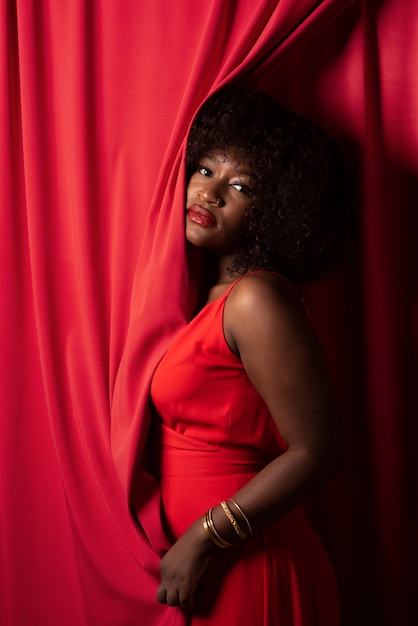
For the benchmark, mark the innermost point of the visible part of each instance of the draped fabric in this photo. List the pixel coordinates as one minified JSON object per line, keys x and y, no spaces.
{"x":97,"y":99}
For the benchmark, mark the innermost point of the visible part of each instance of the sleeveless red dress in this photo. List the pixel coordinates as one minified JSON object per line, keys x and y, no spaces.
{"x":213,"y":433}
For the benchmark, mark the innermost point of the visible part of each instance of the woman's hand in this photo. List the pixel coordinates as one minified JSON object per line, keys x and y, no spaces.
{"x":183,"y":566}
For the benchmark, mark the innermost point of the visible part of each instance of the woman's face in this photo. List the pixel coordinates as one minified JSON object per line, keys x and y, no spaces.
{"x":218,"y":196}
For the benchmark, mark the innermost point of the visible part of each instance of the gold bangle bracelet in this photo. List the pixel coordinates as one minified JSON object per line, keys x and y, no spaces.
{"x":212,"y":538}
{"x":241,"y":534}
{"x":245,"y":518}
{"x":227,"y":544}
{"x":210,"y":529}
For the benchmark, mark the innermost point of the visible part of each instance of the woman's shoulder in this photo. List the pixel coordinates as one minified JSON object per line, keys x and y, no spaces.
{"x":260,"y":290}
{"x":264,"y":307}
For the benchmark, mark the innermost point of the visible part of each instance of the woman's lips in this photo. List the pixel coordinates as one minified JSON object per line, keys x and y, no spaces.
{"x":201,"y":216}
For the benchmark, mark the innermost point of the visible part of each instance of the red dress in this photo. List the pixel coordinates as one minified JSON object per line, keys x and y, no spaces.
{"x":213,"y":433}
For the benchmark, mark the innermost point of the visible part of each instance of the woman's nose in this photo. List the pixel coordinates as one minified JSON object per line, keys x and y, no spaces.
{"x":211,"y":194}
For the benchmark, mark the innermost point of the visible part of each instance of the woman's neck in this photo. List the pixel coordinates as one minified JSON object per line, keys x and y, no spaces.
{"x":216,"y":276}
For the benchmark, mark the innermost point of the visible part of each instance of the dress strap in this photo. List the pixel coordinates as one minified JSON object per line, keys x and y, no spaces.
{"x":232,"y":285}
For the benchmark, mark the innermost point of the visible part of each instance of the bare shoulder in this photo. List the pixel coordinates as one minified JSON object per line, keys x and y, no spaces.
{"x":264,"y":293}
{"x":267,"y":327}
{"x":265,"y":312}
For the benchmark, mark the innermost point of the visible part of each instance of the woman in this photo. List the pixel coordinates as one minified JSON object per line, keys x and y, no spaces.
{"x":246,"y":424}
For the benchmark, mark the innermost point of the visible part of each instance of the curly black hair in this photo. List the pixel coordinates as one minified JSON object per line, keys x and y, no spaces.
{"x":297,"y":221}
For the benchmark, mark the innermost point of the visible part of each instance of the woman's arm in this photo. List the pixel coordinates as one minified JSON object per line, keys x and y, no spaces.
{"x":265,"y":322}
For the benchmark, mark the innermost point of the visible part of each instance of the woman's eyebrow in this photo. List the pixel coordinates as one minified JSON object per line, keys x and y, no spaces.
{"x":237,"y":169}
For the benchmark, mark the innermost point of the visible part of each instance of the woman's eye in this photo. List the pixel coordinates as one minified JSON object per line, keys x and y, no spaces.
{"x":205,"y":171}
{"x":241,"y":188}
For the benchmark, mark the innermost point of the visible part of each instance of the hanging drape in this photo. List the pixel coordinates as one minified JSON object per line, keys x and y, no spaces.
{"x":96,"y":101}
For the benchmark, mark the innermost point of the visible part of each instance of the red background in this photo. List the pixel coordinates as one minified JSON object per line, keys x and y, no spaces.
{"x":96,"y":102}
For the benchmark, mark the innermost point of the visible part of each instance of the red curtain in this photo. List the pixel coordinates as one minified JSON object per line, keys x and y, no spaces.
{"x":97,"y":99}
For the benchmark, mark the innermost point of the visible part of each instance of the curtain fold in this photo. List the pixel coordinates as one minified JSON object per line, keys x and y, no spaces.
{"x":97,"y":100}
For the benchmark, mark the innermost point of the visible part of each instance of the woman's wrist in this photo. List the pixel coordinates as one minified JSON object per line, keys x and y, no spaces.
{"x":226,"y":524}
{"x":201,"y":536}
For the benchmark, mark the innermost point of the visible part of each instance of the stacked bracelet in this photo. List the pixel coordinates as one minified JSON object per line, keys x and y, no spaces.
{"x":241,"y":534}
{"x":245,"y":518}
{"x":211,"y":530}
{"x":209,"y":527}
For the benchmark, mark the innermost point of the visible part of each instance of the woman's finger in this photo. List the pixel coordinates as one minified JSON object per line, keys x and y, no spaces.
{"x":173,"y":598}
{"x":162,"y":595}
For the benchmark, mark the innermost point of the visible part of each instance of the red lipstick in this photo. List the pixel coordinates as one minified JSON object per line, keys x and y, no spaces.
{"x":201,"y":216}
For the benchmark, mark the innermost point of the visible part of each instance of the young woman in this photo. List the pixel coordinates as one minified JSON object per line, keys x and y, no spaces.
{"x":246,"y":423}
